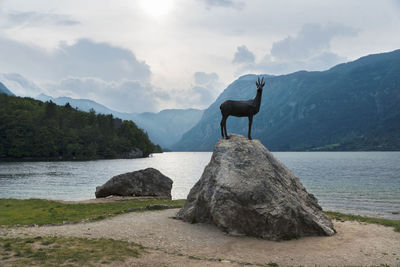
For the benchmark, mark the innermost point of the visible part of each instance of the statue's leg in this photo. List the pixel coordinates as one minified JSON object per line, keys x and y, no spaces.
{"x":226,"y":134}
{"x":222,"y":127}
{"x":250,"y":123}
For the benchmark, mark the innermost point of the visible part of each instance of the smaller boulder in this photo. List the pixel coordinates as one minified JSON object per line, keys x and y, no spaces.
{"x":147,"y":182}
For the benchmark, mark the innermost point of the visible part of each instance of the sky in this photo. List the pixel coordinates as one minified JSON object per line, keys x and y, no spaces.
{"x":149,"y":55}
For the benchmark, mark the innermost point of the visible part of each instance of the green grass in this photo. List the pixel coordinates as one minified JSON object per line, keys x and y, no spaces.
{"x":348,"y":217}
{"x":40,"y":211}
{"x":71,"y":251}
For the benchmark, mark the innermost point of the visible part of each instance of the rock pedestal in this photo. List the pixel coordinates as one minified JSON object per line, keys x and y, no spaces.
{"x":244,"y":190}
{"x":147,"y":182}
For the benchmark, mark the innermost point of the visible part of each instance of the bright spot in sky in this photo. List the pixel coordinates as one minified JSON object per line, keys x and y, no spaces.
{"x":156,"y":8}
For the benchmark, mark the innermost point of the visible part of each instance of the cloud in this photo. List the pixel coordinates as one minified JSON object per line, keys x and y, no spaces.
{"x":243,"y":55}
{"x":134,"y":96}
{"x":84,"y":58}
{"x":200,"y":95}
{"x":123,"y":96}
{"x":312,"y":39}
{"x":38,"y":19}
{"x":19,"y":85}
{"x":308,"y":50}
{"x":224,"y":3}
{"x":87,"y":58}
{"x":202,"y":78}
{"x":107,"y":74}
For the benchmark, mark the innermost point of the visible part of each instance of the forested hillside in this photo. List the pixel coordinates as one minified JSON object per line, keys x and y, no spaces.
{"x":164,"y":128}
{"x":31,"y":129}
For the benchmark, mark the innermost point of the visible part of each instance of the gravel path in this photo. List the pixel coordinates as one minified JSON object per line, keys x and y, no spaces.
{"x":176,"y":243}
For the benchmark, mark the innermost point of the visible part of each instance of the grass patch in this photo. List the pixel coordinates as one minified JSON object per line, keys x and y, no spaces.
{"x":348,"y":217}
{"x":71,"y":251}
{"x":40,"y":211}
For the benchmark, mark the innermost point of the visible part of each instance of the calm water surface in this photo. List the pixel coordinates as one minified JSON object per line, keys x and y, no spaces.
{"x":365,"y":183}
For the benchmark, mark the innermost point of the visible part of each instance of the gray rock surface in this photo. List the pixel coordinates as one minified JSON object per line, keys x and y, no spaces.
{"x":147,"y":182}
{"x":244,"y":190}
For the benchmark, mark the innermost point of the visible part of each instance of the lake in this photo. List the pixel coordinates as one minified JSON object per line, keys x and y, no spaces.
{"x":365,"y":183}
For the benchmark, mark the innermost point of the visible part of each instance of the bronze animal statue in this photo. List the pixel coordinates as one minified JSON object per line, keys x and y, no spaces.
{"x":246,"y":108}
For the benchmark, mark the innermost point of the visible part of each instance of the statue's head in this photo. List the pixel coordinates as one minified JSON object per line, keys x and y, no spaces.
{"x":260,"y":84}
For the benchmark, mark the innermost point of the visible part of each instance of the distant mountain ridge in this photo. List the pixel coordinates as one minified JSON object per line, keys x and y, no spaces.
{"x":167,"y":126}
{"x":4,"y":90}
{"x":81,"y":104}
{"x":19,"y":85}
{"x":164,"y":128}
{"x":352,"y":106}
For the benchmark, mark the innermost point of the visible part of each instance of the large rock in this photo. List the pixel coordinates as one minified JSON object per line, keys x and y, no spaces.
{"x":245,"y":190}
{"x":148,"y":182}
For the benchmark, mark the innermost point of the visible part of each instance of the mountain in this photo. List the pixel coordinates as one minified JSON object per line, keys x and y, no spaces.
{"x":167,"y":126}
{"x":352,"y":106}
{"x":81,"y":104}
{"x":19,"y":85}
{"x":164,"y":128}
{"x":4,"y":90}
{"x":31,"y":129}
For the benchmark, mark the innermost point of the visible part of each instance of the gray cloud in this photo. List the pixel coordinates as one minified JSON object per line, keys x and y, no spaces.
{"x":243,"y":55}
{"x":200,"y":95}
{"x":85,"y":58}
{"x":321,"y":61}
{"x":202,"y":78}
{"x":134,"y":96}
{"x":19,"y":85}
{"x":37,"y":19}
{"x":312,"y":39}
{"x":124,"y":96}
{"x":207,"y":87}
{"x":109,"y":75}
{"x":308,"y":50}
{"x":224,"y":3}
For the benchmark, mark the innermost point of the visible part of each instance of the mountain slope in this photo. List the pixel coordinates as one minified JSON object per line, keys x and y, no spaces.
{"x":164,"y":128}
{"x":353,"y":106}
{"x":31,"y":129}
{"x":4,"y":90}
{"x":19,"y":85}
{"x":167,"y":126}
{"x":81,"y":104}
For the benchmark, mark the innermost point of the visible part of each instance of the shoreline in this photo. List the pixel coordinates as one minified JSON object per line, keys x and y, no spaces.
{"x":57,"y":159}
{"x":333,"y":215}
{"x":114,"y":198}
{"x":183,"y":244}
{"x":357,"y":241}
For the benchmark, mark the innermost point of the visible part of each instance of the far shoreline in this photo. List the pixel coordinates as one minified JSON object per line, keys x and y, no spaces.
{"x":11,"y":160}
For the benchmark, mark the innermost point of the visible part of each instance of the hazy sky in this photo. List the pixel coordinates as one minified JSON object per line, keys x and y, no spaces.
{"x":148,"y":55}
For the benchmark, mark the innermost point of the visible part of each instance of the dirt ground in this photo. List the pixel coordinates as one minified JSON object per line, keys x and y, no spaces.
{"x":171,"y":242}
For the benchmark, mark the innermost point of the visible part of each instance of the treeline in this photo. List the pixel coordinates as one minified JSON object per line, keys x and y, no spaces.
{"x":31,"y":129}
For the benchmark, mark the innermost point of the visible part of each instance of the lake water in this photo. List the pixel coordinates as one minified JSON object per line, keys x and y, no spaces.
{"x":365,"y":183}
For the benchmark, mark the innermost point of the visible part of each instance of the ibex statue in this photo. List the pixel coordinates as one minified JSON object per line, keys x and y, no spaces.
{"x":246,"y":108}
